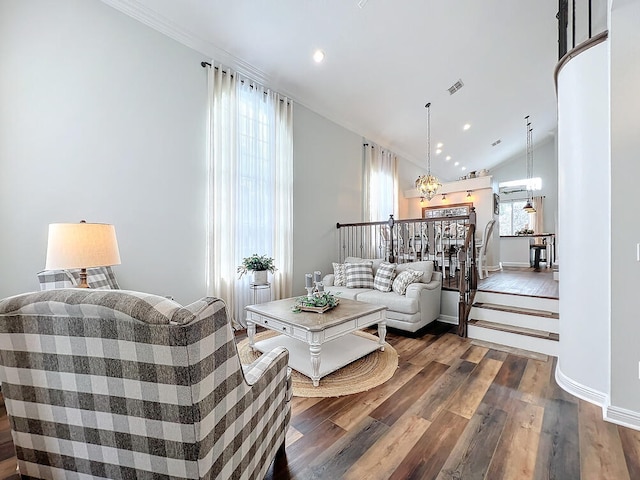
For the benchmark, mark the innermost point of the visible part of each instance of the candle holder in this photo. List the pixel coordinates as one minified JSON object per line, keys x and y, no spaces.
{"x":309,"y":292}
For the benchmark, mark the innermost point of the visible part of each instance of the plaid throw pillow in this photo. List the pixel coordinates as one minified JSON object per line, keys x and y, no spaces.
{"x":384,"y":277}
{"x":404,"y":279}
{"x":340,"y":278}
{"x":359,"y":275}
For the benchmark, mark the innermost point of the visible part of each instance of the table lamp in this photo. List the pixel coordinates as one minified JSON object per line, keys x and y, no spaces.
{"x":81,"y":245}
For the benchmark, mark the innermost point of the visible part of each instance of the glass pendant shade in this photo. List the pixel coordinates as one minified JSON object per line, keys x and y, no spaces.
{"x":428,"y":185}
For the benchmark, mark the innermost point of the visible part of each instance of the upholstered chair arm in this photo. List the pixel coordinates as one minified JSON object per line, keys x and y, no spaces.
{"x":414,"y":289}
{"x":255,"y":370}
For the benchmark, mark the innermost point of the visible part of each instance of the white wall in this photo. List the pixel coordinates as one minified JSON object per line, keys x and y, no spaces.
{"x":327,"y":174}
{"x":103,"y":119}
{"x":584,"y":218}
{"x":625,"y":228}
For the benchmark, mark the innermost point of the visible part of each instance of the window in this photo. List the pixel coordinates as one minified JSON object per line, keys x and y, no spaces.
{"x":513,"y":217}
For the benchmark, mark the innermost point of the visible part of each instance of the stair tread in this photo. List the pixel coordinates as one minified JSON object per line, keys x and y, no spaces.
{"x":522,"y":310}
{"x":514,"y":294}
{"x":530,"y":332}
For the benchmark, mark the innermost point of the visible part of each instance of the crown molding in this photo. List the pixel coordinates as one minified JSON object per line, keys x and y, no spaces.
{"x":153,"y":19}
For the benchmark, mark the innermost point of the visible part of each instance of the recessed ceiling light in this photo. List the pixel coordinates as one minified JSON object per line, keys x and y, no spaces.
{"x":467,"y":126}
{"x":318,"y":56}
{"x":438,"y":151}
{"x":464,"y":168}
{"x":439,"y":145}
{"x":448,"y":157}
{"x":456,"y":164}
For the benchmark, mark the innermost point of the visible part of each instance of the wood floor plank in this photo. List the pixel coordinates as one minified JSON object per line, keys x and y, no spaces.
{"x":435,"y":350}
{"x":631,"y":445}
{"x":398,"y":403}
{"x":300,"y":453}
{"x":505,"y":385}
{"x":515,"y":455}
{"x":382,"y":459}
{"x":427,"y":456}
{"x":474,"y":354}
{"x":559,"y":448}
{"x":316,"y":414}
{"x":472,"y":454}
{"x":468,"y":397}
{"x":434,"y":400}
{"x":335,"y":460}
{"x":600,"y":446}
{"x":535,"y":379}
{"x":363,"y":405}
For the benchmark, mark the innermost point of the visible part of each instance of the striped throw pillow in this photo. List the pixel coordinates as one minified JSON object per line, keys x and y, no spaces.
{"x":384,"y":277}
{"x":359,"y":275}
{"x":404,"y":279}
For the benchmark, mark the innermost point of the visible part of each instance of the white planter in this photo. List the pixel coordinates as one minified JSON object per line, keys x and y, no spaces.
{"x":260,"y":277}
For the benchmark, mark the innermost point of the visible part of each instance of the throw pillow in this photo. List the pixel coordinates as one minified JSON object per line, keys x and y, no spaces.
{"x":404,"y":279}
{"x":340,"y":278}
{"x":359,"y":275}
{"x":384,"y":277}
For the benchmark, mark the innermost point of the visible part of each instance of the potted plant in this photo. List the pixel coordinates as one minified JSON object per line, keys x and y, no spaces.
{"x":259,"y":265}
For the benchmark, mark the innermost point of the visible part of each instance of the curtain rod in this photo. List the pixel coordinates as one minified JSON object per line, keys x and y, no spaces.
{"x":207,"y":64}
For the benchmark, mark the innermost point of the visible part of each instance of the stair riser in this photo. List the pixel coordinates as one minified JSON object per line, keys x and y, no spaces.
{"x":516,"y":319}
{"x":519,"y":301}
{"x":533,"y":344}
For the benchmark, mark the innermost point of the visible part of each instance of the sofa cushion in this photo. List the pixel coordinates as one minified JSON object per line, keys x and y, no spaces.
{"x":425,"y":266}
{"x":384,"y":277}
{"x":339,"y":277}
{"x":350,"y":293}
{"x":359,"y":275}
{"x":391,"y":300}
{"x":404,"y":279}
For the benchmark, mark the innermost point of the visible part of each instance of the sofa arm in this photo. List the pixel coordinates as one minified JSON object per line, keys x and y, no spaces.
{"x":414,"y":289}
{"x":328,"y":280}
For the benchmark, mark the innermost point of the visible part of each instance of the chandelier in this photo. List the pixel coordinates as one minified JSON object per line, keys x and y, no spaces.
{"x":529,"y":160}
{"x":427,"y":185}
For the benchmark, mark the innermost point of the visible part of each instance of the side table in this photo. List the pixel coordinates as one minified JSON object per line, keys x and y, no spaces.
{"x":259,"y":290}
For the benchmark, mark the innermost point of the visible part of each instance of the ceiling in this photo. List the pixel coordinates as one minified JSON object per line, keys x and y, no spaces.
{"x":385,"y":61}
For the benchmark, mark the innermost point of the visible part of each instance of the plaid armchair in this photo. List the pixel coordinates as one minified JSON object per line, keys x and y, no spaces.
{"x":127,"y":385}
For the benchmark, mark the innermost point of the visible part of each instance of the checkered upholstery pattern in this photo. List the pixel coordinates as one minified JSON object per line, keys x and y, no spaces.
{"x":359,"y":275}
{"x":99,"y":278}
{"x":125,"y":385}
{"x":384,"y":277}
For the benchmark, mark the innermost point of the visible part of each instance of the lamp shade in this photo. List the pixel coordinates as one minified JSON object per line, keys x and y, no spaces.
{"x":81,"y":245}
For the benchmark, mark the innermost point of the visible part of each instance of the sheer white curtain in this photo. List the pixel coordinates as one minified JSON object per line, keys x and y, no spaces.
{"x":250,"y":194}
{"x":380,"y":183}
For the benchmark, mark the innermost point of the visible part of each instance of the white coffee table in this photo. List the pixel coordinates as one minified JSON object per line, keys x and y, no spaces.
{"x":318,"y":343}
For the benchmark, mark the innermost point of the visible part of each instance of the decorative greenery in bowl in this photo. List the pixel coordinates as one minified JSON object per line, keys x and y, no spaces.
{"x":256,"y":263}
{"x":319,"y":301}
{"x":525,"y":231}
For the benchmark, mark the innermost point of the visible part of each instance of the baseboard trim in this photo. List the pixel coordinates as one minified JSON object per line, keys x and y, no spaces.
{"x":515,"y":264}
{"x":448,"y":319}
{"x":581,"y":391}
{"x":622,"y":416}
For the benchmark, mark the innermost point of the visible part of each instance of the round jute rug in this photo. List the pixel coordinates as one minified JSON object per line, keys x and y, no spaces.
{"x":362,"y":375}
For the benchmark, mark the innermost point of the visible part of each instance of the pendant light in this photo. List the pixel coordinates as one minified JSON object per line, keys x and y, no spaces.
{"x":528,"y":207}
{"x":427,"y":185}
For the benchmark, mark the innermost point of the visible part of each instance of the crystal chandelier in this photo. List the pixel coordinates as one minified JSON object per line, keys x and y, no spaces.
{"x":529,"y":159}
{"x":427,"y":185}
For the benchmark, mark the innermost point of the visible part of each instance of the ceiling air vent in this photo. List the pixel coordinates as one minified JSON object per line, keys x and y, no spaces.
{"x":496,"y":142}
{"x":455,"y":87}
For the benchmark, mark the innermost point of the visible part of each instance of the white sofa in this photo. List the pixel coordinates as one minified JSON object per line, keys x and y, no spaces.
{"x":419,"y":306}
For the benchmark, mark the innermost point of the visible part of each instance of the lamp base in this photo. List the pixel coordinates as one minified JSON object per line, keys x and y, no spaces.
{"x":83,"y":279}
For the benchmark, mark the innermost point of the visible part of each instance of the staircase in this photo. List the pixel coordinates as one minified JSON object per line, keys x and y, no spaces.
{"x":520,"y":321}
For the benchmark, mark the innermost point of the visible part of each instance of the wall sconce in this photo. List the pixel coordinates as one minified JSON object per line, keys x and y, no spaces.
{"x":444,"y":197}
{"x":469,"y":194}
{"x":421,"y":200}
